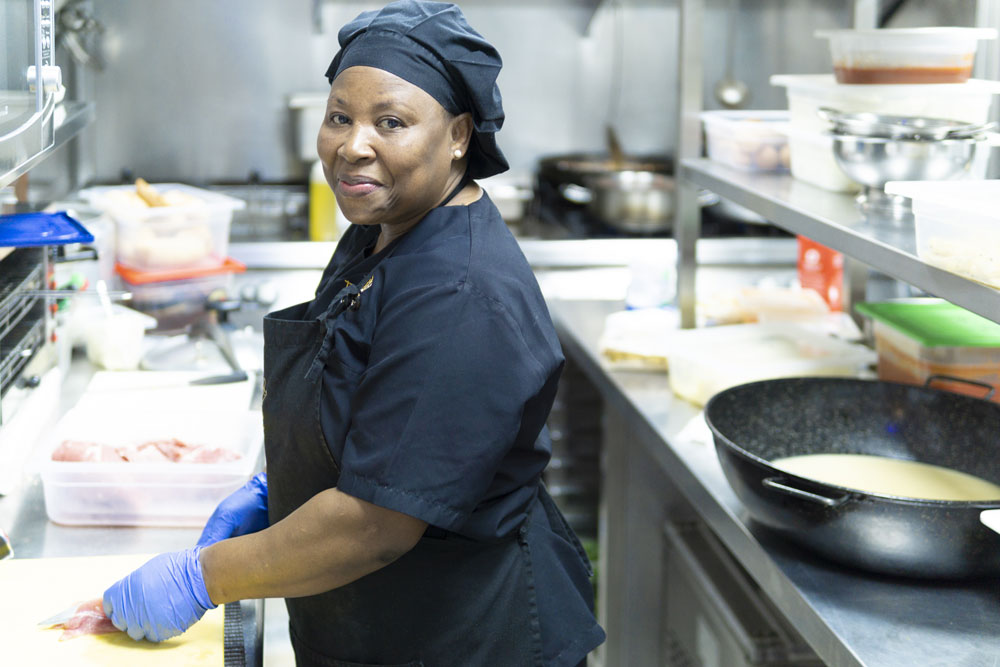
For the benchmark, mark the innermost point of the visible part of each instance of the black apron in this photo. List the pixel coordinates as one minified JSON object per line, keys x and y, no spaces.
{"x":448,"y":601}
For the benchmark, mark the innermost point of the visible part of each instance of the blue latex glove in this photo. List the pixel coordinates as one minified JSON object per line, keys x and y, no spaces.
{"x":161,"y":599}
{"x":243,"y":512}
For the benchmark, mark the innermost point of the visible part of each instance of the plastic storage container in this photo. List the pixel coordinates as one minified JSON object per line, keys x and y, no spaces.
{"x":918,"y":338}
{"x":811,"y":160}
{"x":747,"y":140}
{"x":115,"y":343}
{"x":147,"y":494}
{"x":703,"y":362}
{"x":191,"y":232}
{"x":176,"y":298}
{"x":957,"y":225}
{"x":811,"y":148}
{"x":904,"y":55}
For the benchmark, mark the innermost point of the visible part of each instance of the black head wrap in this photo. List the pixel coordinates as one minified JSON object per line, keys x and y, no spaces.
{"x":432,"y":46}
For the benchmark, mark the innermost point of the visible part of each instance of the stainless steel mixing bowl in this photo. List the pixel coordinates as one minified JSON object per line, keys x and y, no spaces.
{"x":874,"y":161}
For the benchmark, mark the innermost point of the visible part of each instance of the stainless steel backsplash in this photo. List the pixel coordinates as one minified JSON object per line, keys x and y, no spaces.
{"x":197,"y":90}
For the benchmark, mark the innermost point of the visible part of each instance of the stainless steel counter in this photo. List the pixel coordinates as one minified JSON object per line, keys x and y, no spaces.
{"x":847,"y":616}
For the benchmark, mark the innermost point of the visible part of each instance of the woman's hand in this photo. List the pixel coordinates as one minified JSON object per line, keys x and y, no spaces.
{"x":161,"y":599}
{"x":242,"y":513}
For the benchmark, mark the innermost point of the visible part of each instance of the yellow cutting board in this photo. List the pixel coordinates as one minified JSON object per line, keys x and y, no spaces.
{"x":32,"y":589}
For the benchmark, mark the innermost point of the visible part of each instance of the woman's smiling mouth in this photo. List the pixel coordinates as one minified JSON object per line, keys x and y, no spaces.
{"x":356,"y":186}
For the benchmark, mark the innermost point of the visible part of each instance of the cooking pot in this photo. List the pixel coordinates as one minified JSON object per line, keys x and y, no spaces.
{"x":576,"y":167}
{"x":635,"y":195}
{"x":754,"y":424}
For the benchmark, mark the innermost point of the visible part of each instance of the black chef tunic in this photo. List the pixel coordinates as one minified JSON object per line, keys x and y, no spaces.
{"x":452,"y":364}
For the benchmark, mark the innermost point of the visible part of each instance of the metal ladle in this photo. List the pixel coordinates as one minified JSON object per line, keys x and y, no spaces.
{"x":730,"y":91}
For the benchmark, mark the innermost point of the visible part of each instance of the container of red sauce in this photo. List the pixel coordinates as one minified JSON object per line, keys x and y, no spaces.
{"x":904,"y":55}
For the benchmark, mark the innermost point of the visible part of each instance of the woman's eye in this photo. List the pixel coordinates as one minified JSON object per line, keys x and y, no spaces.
{"x":390,"y":123}
{"x":339,"y":119}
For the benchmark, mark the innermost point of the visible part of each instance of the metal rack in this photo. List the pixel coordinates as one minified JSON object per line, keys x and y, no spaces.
{"x":829,"y":218}
{"x":22,"y":317}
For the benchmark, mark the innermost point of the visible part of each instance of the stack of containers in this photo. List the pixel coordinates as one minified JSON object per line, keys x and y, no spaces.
{"x":906,"y":72}
{"x":173,"y":255}
{"x":919,"y":339}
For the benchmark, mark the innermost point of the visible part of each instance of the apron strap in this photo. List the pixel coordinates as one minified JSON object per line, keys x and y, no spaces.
{"x":348,"y":297}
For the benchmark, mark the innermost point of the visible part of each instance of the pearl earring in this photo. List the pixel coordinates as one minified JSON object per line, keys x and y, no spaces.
{"x":457,"y":153}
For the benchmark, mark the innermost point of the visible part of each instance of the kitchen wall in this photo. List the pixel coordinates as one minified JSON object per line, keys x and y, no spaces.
{"x":197,"y":91}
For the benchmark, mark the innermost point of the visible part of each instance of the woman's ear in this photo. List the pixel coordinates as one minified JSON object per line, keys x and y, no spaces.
{"x":461,"y":132}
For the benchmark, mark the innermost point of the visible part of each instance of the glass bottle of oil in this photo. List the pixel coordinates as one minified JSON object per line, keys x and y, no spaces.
{"x":322,"y":207}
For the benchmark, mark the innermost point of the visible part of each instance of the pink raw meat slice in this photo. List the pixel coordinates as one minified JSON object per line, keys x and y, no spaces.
{"x":172,"y":448}
{"x":89,"y":619}
{"x":145,"y":453}
{"x":169,"y":450}
{"x":80,"y":451}
{"x":201,"y":454}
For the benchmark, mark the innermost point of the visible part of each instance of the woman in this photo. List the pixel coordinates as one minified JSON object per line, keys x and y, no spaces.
{"x":402,"y":514}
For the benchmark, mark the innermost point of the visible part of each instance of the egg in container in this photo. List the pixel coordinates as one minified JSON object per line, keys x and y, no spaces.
{"x":748,"y":140}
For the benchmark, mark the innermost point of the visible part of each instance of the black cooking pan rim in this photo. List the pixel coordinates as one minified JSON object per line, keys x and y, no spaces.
{"x":855,"y":494}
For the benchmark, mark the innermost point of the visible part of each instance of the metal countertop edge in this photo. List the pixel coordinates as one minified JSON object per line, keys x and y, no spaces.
{"x":549,"y":254}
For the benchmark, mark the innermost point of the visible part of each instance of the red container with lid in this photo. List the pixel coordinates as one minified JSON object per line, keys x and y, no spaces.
{"x":176,"y":298}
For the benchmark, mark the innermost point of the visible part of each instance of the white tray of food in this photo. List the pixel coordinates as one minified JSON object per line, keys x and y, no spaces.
{"x":152,"y":468}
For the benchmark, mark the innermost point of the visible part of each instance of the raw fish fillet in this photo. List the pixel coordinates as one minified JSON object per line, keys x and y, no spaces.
{"x":89,"y":619}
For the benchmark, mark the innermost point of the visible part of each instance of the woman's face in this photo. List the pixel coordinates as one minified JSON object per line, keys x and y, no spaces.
{"x":387,"y":148}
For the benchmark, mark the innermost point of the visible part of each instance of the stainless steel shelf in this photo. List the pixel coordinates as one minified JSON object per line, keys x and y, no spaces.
{"x":833,"y":219}
{"x":70,"y":119}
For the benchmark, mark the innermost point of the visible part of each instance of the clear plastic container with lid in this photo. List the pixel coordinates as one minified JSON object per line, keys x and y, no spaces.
{"x":904,"y":55}
{"x":162,"y":493}
{"x":176,"y":298}
{"x":919,"y":338}
{"x":957,"y":225}
{"x":190,"y":230}
{"x":703,"y":362}
{"x":747,"y":140}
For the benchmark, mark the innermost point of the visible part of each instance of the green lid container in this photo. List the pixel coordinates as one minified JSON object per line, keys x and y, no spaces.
{"x":935,"y":330}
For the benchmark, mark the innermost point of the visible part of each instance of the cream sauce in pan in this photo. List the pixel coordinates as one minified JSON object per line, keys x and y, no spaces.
{"x":894,"y":477}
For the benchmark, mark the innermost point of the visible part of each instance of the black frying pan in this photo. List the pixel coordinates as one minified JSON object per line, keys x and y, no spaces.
{"x":758,"y":422}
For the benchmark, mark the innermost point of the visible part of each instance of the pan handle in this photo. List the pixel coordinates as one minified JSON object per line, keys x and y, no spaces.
{"x":990,"y":519}
{"x":778,"y":484}
{"x":576,"y":193}
{"x":990,"y":389}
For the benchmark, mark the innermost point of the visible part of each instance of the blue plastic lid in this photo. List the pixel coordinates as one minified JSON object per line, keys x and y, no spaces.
{"x":26,"y":230}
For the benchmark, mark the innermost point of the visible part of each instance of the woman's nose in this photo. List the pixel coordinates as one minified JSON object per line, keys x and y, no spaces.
{"x":357,"y":144}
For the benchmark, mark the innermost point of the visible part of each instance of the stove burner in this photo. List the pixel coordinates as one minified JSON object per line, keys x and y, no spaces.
{"x":552,"y":216}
